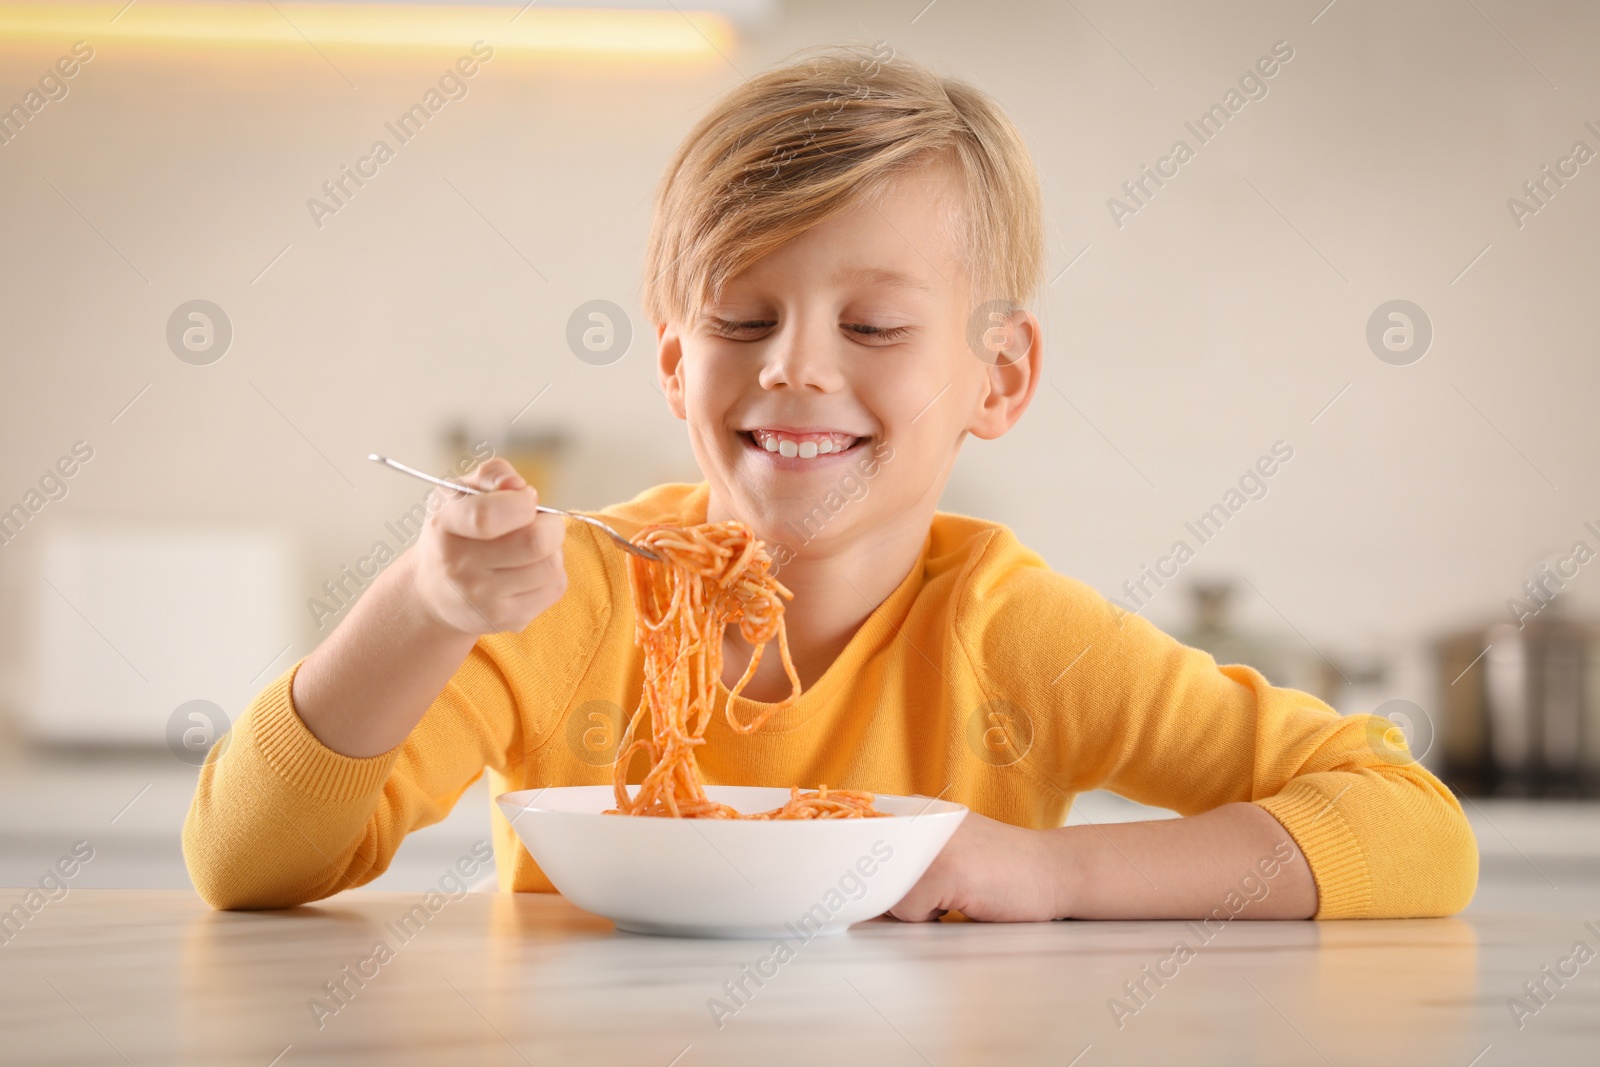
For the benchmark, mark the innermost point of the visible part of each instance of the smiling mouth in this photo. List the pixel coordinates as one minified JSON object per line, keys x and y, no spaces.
{"x":808,"y":447}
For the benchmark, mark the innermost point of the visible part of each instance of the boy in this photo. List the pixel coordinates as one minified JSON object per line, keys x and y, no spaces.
{"x":838,"y":269}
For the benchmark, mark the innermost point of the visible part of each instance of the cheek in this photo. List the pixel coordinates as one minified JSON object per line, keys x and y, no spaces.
{"x":711,"y":378}
{"x":921,"y":418}
{"x":921,"y":449}
{"x":924,"y":400}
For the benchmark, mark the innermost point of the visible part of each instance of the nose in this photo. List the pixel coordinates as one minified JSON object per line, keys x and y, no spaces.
{"x":803,"y":354}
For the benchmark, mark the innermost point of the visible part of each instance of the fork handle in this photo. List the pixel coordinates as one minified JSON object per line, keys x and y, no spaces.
{"x":472,"y":490}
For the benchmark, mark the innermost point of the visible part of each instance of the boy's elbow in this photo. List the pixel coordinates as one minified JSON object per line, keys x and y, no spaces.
{"x":221,"y":896}
{"x":1457,"y":863}
{"x":224,"y":880}
{"x":220,"y":883}
{"x":231,"y":890}
{"x":1441,"y":875}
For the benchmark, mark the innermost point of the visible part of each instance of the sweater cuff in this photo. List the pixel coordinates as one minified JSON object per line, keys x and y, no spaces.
{"x":275,"y":730}
{"x":1332,"y":850}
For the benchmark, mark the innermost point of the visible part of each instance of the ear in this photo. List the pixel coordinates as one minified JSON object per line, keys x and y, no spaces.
{"x":1011,"y":376}
{"x":669,"y":365}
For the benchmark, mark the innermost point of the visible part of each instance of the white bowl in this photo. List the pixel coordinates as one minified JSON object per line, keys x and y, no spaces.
{"x":726,"y":877}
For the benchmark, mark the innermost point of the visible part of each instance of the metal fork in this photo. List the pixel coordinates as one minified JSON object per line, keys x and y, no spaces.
{"x":472,"y":490}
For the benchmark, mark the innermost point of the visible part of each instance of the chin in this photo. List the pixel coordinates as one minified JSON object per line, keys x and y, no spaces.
{"x":807,"y":530}
{"x":810,"y":515}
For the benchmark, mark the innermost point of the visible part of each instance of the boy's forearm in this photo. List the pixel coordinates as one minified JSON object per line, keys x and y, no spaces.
{"x":1183,"y":868}
{"x":367,"y":686}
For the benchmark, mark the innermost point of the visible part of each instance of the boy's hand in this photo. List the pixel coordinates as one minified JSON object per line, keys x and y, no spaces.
{"x":490,"y":563}
{"x":1236,"y":857}
{"x":991,"y":872}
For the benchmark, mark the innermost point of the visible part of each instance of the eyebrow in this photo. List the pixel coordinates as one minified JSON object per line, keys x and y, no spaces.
{"x":887,"y":278}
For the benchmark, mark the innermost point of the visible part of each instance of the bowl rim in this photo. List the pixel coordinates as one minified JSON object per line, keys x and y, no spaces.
{"x":522,"y":801}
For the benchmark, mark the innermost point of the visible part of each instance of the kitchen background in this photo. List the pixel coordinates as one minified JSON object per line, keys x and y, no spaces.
{"x":1373,"y":259}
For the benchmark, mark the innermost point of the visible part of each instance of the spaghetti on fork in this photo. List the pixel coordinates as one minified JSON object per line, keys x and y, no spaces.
{"x":709,"y":576}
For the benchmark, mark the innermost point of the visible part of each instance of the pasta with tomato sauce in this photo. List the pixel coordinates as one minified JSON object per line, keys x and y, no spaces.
{"x":710,"y":576}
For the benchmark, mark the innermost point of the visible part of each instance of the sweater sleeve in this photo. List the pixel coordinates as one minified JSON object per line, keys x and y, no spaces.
{"x":279,"y":819}
{"x":1161,"y":723}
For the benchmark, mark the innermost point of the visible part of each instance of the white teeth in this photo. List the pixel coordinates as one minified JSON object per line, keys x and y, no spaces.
{"x":790,"y":448}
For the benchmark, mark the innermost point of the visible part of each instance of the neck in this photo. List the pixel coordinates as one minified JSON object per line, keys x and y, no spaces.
{"x":836,"y":587}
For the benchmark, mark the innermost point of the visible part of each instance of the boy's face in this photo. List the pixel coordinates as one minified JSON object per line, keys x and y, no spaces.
{"x":829,"y":388}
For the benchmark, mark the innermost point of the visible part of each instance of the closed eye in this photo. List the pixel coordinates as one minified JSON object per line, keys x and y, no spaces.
{"x":752,"y":329}
{"x":743,"y":329}
{"x":883,"y":335}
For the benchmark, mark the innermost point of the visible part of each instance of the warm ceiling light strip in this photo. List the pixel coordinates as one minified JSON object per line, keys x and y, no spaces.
{"x":689,"y":34}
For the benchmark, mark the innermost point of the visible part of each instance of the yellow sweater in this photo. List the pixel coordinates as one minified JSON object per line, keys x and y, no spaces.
{"x":984,"y":677}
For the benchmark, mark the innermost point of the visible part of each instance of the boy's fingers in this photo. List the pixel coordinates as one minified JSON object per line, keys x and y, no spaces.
{"x":491,"y":515}
{"x":917,"y":907}
{"x":495,"y":473}
{"x":521,"y":581}
{"x":925,"y":901}
{"x":538,"y":541}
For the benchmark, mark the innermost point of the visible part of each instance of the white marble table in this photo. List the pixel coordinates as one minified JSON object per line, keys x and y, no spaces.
{"x":151,"y":977}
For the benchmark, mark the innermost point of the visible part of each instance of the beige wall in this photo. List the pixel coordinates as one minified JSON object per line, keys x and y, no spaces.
{"x":1220,"y":318}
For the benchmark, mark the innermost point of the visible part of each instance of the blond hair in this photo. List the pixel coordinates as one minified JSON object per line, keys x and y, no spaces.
{"x":800,"y":143}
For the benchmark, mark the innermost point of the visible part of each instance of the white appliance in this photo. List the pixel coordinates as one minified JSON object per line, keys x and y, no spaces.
{"x":134,"y":624}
